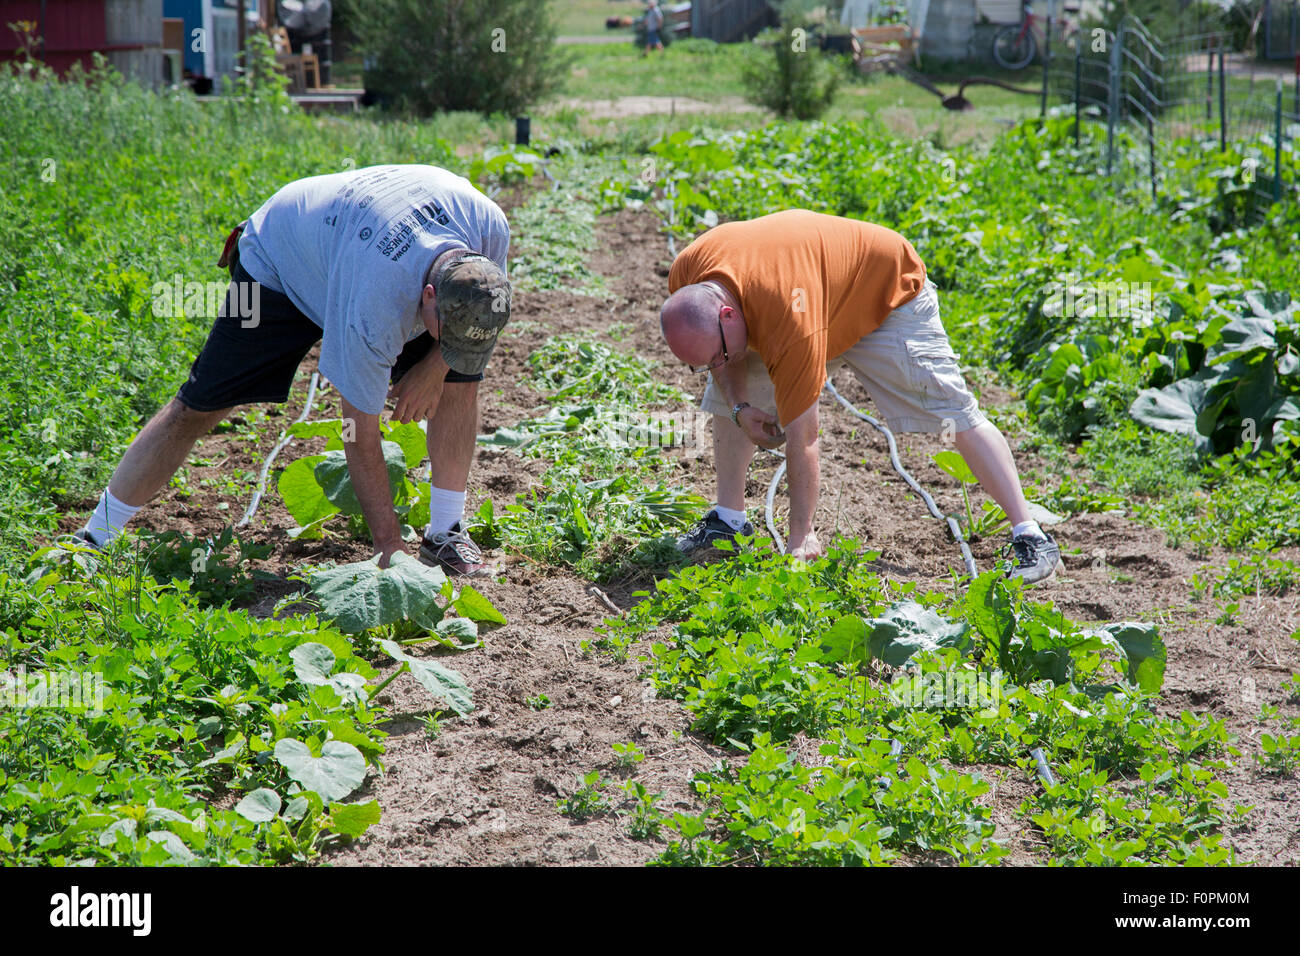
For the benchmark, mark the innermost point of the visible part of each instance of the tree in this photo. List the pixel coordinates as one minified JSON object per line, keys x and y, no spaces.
{"x":791,"y":77}
{"x":489,"y":56}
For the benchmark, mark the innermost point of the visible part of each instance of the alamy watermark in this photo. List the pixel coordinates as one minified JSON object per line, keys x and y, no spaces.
{"x":61,"y":690}
{"x":176,"y":298}
{"x":686,"y":429}
{"x":1073,"y":297}
{"x":941,"y":690}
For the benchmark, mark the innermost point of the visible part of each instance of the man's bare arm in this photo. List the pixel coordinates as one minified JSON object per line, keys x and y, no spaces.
{"x":370,"y":481}
{"x":803,"y":470}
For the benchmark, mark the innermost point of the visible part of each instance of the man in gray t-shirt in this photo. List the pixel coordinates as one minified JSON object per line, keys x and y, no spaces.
{"x":399,"y":273}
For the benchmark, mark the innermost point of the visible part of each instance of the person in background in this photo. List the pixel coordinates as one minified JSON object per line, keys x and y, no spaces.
{"x":654,"y":24}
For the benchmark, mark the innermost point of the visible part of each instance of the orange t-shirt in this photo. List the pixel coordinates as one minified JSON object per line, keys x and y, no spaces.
{"x":809,"y":286}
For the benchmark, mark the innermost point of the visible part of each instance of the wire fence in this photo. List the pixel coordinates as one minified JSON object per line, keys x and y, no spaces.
{"x":1174,"y":113}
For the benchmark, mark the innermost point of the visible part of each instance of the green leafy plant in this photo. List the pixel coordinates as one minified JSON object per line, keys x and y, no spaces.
{"x":1248,"y":387}
{"x":587,"y":801}
{"x":789,"y":76}
{"x":317,"y":487}
{"x":647,"y":820}
{"x":430,"y":57}
{"x":1280,"y":753}
{"x":214,"y":566}
{"x":538,"y":702}
{"x":627,"y":755}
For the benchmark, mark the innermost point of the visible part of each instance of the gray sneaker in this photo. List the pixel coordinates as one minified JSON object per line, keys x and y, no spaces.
{"x":84,"y":539}
{"x":709,"y":529}
{"x":455,"y":552}
{"x":1035,"y":558}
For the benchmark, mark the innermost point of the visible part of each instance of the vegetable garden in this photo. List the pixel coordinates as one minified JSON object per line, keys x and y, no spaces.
{"x":268,"y":695}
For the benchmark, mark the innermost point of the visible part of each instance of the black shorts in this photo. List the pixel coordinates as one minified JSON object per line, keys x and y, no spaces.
{"x":241,"y":366}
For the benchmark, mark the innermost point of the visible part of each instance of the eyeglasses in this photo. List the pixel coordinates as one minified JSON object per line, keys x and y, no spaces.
{"x":725,"y":357}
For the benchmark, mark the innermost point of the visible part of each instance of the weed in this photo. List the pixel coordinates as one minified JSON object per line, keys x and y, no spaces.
{"x":587,"y":801}
{"x":432,"y":725}
{"x":647,"y":820}
{"x":627,"y":755}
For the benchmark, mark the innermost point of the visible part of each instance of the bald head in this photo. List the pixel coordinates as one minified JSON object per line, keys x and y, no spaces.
{"x":689,"y":320}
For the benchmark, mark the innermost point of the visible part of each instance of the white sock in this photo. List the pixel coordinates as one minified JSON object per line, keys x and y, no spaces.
{"x":1030,"y":528}
{"x":109,"y":518}
{"x":445,"y":509}
{"x":731,"y":516}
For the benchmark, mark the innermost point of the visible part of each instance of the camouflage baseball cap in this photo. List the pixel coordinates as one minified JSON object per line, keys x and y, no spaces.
{"x":474,"y":305}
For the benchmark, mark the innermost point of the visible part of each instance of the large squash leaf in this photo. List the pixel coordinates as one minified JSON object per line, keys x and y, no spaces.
{"x":335,"y":483}
{"x":894,"y":636}
{"x":338,"y":770}
{"x":302,"y":493}
{"x":441,"y":682}
{"x":361,"y":595}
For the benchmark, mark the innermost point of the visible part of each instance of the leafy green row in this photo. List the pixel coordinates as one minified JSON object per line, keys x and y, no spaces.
{"x":762,"y":650}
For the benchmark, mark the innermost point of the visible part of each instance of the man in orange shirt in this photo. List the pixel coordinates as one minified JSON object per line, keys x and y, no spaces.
{"x":771,"y":307}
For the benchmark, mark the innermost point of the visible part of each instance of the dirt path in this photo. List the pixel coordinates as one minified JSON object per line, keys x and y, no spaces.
{"x":484,"y":791}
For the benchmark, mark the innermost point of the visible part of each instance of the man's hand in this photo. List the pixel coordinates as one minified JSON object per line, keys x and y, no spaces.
{"x":387,"y":549}
{"x":761,"y":428}
{"x":420,"y":389}
{"x":807,"y":549}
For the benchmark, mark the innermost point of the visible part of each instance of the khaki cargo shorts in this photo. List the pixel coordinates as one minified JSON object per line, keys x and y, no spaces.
{"x":907,"y":365}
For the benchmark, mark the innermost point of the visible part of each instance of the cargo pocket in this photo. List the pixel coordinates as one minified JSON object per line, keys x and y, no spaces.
{"x":935,"y":377}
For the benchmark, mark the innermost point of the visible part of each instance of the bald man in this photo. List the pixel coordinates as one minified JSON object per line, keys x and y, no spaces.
{"x":772,"y":307}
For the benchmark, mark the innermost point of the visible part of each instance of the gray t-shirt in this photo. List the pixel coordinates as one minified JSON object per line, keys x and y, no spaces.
{"x":352,"y":249}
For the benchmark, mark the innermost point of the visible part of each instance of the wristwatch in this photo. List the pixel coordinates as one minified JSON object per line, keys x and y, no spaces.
{"x":735,"y":413}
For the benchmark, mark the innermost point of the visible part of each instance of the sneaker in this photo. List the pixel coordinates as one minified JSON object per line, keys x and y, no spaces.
{"x":1035,"y":558}
{"x":455,"y":552}
{"x":709,"y":529}
{"x":84,"y":539}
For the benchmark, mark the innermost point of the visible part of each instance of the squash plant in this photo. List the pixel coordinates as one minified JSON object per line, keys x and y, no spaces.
{"x":315,"y":488}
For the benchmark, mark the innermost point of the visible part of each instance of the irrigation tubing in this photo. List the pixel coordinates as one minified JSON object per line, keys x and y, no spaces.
{"x":953,"y":526}
{"x":1040,"y":763}
{"x":771,"y":494}
{"x":284,"y":440}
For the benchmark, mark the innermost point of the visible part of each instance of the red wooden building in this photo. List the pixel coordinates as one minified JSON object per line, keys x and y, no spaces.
{"x":128,"y":32}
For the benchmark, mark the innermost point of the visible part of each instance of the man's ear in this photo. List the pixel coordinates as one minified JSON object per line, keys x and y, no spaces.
{"x":429,"y":312}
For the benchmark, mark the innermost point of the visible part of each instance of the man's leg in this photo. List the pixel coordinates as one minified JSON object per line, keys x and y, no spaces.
{"x":149,"y":463}
{"x":912,"y":373}
{"x":453,"y":431}
{"x":989,"y":457}
{"x":732,"y":453}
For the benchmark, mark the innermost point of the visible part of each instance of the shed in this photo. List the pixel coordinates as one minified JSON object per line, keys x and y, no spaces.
{"x":128,"y":32}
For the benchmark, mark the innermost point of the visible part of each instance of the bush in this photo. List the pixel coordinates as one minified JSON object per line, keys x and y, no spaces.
{"x":790,"y":78}
{"x":489,"y":56}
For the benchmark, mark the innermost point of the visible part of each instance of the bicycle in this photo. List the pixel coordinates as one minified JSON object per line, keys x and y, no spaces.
{"x":1015,"y":46}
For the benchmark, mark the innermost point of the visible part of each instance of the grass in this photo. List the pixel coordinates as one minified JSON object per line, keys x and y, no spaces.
{"x":600,"y":75}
